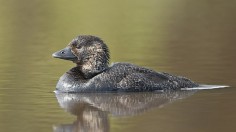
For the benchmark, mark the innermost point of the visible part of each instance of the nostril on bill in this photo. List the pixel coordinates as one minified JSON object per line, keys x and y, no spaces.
{"x":62,"y":52}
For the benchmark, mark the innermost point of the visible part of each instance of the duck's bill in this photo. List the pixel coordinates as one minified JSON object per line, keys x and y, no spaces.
{"x":65,"y":54}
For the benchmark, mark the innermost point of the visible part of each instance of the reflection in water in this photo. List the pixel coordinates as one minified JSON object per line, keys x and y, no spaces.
{"x":92,"y":109}
{"x":193,"y":38}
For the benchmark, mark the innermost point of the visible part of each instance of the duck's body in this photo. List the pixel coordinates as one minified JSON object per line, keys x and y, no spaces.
{"x":92,"y":73}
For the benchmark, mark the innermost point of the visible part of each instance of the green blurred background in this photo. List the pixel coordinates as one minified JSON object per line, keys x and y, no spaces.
{"x":190,"y":38}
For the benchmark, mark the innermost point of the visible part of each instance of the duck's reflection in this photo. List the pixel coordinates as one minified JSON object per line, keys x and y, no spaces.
{"x":92,"y":109}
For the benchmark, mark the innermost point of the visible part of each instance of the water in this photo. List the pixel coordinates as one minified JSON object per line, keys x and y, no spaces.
{"x":193,"y":39}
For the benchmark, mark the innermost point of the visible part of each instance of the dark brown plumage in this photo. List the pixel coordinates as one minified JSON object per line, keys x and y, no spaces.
{"x":93,"y":73}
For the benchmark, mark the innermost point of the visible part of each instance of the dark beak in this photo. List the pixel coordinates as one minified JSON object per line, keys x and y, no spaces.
{"x":65,"y":54}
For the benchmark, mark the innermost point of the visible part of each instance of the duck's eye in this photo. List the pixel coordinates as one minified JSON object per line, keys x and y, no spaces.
{"x":79,"y":47}
{"x":62,"y":52}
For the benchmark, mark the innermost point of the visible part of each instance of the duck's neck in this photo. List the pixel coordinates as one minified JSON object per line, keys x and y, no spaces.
{"x":91,"y":68}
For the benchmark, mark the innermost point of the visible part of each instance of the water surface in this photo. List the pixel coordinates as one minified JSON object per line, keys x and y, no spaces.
{"x":194,"y":39}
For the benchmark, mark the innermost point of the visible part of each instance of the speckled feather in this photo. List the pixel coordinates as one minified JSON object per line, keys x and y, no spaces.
{"x":92,"y":73}
{"x":122,"y":77}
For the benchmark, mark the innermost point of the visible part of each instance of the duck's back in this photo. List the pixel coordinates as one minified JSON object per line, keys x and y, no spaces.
{"x":130,"y":77}
{"x":122,"y":77}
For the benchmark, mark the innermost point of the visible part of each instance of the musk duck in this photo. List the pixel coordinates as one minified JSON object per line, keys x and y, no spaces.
{"x":92,"y":72}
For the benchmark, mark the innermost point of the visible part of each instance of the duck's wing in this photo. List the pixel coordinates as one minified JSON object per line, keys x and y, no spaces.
{"x":135,"y":78}
{"x":143,"y":81}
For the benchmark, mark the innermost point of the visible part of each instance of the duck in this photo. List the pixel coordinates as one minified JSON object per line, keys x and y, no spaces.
{"x":93,"y":73}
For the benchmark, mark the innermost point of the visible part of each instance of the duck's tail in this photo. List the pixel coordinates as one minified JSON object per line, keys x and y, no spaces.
{"x":203,"y":86}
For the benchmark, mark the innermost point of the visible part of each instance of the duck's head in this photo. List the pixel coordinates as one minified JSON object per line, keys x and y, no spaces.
{"x":90,"y":54}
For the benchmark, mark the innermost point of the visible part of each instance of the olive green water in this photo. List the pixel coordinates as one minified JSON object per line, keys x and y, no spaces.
{"x":189,"y":38}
